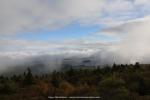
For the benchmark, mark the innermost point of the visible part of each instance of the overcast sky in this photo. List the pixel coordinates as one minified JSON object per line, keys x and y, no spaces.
{"x":118,"y":29}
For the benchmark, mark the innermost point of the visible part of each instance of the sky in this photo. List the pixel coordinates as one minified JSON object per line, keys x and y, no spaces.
{"x":110,"y":30}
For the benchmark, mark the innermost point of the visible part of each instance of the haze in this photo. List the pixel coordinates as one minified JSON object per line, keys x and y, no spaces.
{"x":49,"y":31}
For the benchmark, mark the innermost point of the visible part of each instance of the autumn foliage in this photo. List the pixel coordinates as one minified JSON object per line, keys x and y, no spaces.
{"x":117,"y":82}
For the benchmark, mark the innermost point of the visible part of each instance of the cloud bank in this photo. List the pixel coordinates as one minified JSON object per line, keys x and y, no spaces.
{"x":135,"y":39}
{"x":125,"y":21}
{"x":19,"y":16}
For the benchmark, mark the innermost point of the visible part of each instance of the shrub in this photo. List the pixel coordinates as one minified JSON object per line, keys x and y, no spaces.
{"x":113,"y":88}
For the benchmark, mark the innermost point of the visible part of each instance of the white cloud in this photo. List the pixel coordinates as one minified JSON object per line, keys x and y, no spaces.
{"x":135,"y":39}
{"x":142,"y":2}
{"x":25,"y":15}
{"x":36,"y":47}
{"x":25,"y":52}
{"x":19,"y":16}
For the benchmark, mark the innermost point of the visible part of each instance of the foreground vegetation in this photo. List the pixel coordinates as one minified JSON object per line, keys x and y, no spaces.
{"x":117,"y":82}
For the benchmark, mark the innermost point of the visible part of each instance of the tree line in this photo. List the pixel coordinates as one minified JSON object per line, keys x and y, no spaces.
{"x":116,"y":82}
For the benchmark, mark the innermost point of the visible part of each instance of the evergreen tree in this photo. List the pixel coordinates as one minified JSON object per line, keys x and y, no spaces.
{"x":137,"y":65}
{"x":28,"y":80}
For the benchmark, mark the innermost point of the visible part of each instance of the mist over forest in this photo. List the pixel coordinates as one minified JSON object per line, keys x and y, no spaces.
{"x":75,"y":48}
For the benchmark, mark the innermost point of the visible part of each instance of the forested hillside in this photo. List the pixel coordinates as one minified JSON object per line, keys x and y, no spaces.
{"x":117,"y":82}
